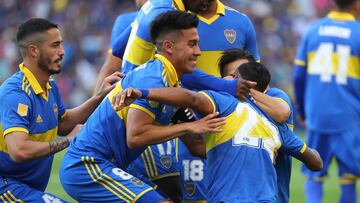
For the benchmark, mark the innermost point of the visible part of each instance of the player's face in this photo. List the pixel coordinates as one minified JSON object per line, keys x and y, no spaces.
{"x":231,"y":68}
{"x":186,"y":51}
{"x":198,"y":6}
{"x":51,"y":52}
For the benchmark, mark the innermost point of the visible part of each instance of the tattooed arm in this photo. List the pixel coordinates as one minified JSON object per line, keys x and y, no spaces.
{"x":21,"y":148}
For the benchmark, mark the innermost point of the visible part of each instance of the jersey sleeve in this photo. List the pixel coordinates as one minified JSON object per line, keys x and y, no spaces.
{"x":221,"y":101}
{"x":15,"y":112}
{"x":121,"y":23}
{"x":199,"y":80}
{"x":251,"y":42}
{"x":291,"y":144}
{"x":300,"y":76}
{"x":119,"y":45}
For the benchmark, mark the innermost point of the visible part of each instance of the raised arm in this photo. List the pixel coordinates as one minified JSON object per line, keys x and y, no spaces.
{"x":276,"y":109}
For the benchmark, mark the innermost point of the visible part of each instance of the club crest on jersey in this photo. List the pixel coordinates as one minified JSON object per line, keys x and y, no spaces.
{"x":136,"y":182}
{"x":190,"y":188}
{"x":230,"y":35}
{"x":166,"y":161}
{"x":56,"y":110}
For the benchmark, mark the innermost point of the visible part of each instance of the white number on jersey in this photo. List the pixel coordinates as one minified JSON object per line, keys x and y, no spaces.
{"x":162,"y":150}
{"x":193,"y":170}
{"x":325,"y":64}
{"x":122,"y":174}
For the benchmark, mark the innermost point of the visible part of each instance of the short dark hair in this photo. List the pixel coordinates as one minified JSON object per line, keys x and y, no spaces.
{"x":344,"y":4}
{"x":171,"y":22}
{"x":29,"y":32}
{"x":231,"y":55}
{"x":256,"y":72}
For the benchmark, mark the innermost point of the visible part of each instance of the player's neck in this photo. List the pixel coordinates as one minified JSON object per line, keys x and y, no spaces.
{"x":210,"y":12}
{"x":41,"y":76}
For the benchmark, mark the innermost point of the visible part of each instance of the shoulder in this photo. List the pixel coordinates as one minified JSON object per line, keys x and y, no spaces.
{"x":17,"y":84}
{"x":145,"y":76}
{"x":231,"y":12}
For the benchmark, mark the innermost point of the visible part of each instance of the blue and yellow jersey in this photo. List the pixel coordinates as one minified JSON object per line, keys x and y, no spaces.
{"x":192,"y":173}
{"x":104,"y":134}
{"x":26,"y":107}
{"x":139,"y":48}
{"x":244,"y":152}
{"x":228,"y":28}
{"x":327,"y":74}
{"x":121,"y":23}
{"x":283,"y":160}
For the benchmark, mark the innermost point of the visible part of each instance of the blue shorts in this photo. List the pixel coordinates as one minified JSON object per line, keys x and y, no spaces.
{"x":12,"y":190}
{"x":89,"y":179}
{"x":156,"y":162}
{"x":192,"y":173}
{"x":343,"y":146}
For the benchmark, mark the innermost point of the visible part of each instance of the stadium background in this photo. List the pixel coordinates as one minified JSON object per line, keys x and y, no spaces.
{"x":86,"y":26}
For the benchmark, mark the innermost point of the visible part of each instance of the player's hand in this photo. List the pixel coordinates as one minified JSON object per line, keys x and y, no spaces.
{"x":243,"y":88}
{"x":207,"y":124}
{"x":109,"y":83}
{"x":125,"y":98}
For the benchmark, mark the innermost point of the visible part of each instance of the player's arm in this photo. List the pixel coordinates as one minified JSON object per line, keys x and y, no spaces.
{"x":114,"y":58}
{"x":311,"y":158}
{"x":81,"y":113}
{"x":275,"y":108}
{"x":21,"y":148}
{"x":201,"y":81}
{"x":194,"y":143}
{"x":140,"y":128}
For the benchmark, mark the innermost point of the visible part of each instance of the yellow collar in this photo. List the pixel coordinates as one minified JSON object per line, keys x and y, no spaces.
{"x":220,"y":8}
{"x":170,"y":71}
{"x":341,"y":16}
{"x":179,"y":5}
{"x":32,"y":80}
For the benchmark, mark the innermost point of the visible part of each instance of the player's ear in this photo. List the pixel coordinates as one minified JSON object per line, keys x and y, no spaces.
{"x":167,"y":46}
{"x":33,"y":50}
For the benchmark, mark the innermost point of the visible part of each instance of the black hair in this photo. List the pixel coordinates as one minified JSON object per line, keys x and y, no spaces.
{"x":29,"y":32}
{"x":344,"y":4}
{"x":171,"y":22}
{"x":231,"y":55}
{"x":256,"y":72}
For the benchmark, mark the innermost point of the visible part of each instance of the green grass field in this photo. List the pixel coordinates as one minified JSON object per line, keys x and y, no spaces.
{"x":331,"y":189}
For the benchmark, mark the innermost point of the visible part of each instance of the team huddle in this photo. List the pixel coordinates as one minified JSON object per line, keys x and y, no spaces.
{"x":191,"y":117}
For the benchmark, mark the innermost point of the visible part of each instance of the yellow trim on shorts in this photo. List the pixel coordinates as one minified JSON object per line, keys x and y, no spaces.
{"x":156,"y":173}
{"x":145,"y":164}
{"x":152,"y":173}
{"x":141,"y":194}
{"x":165,"y":176}
{"x":107,"y":182}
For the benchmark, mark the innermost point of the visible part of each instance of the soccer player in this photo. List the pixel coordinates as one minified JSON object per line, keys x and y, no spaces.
{"x":240,"y":158}
{"x":95,"y":166}
{"x":113,"y":63}
{"x":327,"y":79}
{"x":32,"y":115}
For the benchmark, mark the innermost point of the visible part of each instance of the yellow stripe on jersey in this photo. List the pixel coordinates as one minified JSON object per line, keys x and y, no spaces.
{"x":3,"y":199}
{"x":122,"y":113}
{"x":213,"y":139}
{"x":177,"y":149}
{"x":140,"y":51}
{"x":14,"y":198}
{"x":303,"y":148}
{"x":299,"y":62}
{"x":290,"y":126}
{"x":353,"y":65}
{"x":107,"y":182}
{"x":179,"y":5}
{"x":212,"y":102}
{"x":141,"y":108}
{"x":7,"y":198}
{"x":208,"y":62}
{"x":46,"y":136}
{"x":152,"y":161}
{"x":172,"y":76}
{"x":145,"y":164}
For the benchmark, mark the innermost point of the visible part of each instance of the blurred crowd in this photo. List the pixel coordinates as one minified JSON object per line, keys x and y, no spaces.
{"x":86,"y":26}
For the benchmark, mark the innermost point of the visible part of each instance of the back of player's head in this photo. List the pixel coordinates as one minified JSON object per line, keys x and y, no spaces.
{"x":344,"y":4}
{"x":171,"y":23}
{"x":31,"y":31}
{"x":231,"y":55}
{"x":256,"y":72}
